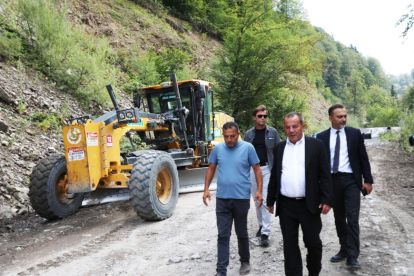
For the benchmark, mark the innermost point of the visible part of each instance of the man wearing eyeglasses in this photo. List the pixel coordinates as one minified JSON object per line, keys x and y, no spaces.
{"x":264,"y":138}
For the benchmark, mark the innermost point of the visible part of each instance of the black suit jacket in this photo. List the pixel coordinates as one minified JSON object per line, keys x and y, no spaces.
{"x":357,"y":154}
{"x":317,"y":176}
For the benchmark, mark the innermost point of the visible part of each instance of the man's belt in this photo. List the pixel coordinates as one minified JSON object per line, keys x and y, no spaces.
{"x":342,"y":174}
{"x":291,"y":198}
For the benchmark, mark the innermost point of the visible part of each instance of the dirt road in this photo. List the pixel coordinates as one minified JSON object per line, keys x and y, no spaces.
{"x":111,"y":240}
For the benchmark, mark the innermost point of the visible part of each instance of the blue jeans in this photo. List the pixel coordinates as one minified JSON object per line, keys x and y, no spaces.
{"x":227,"y":211}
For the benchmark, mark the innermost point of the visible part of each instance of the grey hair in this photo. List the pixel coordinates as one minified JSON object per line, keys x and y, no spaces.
{"x":293,"y":114}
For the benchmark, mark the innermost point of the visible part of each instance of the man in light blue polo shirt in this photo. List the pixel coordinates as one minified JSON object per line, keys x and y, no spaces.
{"x":234,"y":159}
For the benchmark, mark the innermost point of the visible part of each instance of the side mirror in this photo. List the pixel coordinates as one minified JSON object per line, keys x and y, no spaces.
{"x":137,"y":99}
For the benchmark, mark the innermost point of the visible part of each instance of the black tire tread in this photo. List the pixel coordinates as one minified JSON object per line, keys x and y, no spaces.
{"x":139,"y":185}
{"x":39,"y":190}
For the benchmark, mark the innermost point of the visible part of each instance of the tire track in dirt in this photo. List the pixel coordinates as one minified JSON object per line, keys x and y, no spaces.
{"x":111,"y":240}
{"x":85,"y":249}
{"x":122,"y":229}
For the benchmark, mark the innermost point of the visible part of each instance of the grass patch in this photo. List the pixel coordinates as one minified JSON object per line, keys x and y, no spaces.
{"x":75,"y":61}
{"x":11,"y":48}
{"x":50,"y":120}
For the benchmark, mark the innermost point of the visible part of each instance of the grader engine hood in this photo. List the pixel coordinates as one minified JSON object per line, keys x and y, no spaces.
{"x":83,"y":156}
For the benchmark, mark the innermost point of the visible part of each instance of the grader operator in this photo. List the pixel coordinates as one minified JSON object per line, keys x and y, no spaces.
{"x":175,"y":119}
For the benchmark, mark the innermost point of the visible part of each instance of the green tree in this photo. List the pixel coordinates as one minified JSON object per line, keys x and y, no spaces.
{"x":393,"y":92}
{"x":261,"y":52}
{"x":380,"y":116}
{"x":408,"y":99}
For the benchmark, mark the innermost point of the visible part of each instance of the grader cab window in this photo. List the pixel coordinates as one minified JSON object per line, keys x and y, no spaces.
{"x":165,"y":100}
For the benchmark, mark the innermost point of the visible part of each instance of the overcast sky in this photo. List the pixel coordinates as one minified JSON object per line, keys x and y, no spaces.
{"x":370,"y":26}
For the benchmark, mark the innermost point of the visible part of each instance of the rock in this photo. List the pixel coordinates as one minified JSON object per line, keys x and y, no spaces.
{"x":195,"y":256}
{"x":5,"y":96}
{"x":30,"y":131}
{"x":5,"y":143}
{"x":175,"y":260}
{"x":7,"y":211}
{"x":3,"y":126}
{"x":22,"y":211}
{"x":21,"y":189}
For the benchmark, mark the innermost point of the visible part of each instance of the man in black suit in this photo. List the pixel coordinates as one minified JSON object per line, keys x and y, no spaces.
{"x":300,"y":184}
{"x":351,"y":174}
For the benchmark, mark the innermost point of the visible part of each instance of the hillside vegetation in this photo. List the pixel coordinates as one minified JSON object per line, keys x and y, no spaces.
{"x":57,"y":56}
{"x":255,"y":51}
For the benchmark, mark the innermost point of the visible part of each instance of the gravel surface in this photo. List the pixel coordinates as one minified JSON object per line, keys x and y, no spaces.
{"x":111,"y":240}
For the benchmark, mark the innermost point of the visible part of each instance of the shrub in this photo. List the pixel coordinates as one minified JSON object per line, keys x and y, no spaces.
{"x":10,"y":46}
{"x":171,"y":60}
{"x":140,"y":69}
{"x":75,"y":61}
{"x":47,"y":121}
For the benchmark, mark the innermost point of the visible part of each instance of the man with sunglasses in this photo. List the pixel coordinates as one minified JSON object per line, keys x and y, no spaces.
{"x":264,"y":138}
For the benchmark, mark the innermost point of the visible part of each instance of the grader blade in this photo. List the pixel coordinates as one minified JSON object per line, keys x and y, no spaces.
{"x":191,"y":180}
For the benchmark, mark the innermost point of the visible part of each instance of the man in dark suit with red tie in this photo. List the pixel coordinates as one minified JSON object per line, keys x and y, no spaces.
{"x":351,"y":174}
{"x":300,"y":184}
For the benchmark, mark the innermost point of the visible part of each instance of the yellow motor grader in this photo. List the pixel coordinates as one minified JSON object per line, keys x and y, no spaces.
{"x":175,"y":119}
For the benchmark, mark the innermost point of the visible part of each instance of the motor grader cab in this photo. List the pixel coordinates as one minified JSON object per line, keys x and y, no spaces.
{"x":175,"y":119}
{"x":192,"y":128}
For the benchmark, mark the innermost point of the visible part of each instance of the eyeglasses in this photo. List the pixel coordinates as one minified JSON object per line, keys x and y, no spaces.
{"x":261,"y":116}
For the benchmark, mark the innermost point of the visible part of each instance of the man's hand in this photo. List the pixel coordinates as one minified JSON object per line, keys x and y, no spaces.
{"x":259,"y":199}
{"x":367,"y":187}
{"x":271,"y":209}
{"x":206,"y":197}
{"x":324,"y":208}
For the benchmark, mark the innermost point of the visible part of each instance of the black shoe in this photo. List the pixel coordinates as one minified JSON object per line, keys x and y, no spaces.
{"x":264,"y":240}
{"x":259,"y":232}
{"x":352,"y":263}
{"x":244,"y":268}
{"x":339,"y":257}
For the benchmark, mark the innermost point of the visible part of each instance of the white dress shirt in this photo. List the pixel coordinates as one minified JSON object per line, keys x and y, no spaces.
{"x":344,"y":165}
{"x":293,"y":169}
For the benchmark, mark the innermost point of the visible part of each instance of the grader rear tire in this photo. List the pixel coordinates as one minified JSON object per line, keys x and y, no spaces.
{"x":154,"y":185}
{"x":47,"y":192}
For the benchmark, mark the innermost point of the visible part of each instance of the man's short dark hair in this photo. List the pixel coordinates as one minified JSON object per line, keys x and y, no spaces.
{"x":293,"y":114}
{"x":335,"y":106}
{"x":231,"y":125}
{"x":259,"y":108}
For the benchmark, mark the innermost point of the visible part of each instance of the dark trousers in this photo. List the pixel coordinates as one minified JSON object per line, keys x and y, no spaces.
{"x":227,"y":211}
{"x":346,"y":205}
{"x":293,"y":213}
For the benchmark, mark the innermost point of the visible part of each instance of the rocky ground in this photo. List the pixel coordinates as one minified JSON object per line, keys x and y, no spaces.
{"x":22,"y":141}
{"x":111,"y":240}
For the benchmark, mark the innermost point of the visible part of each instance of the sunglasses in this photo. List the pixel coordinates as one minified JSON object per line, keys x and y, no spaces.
{"x":261,"y":116}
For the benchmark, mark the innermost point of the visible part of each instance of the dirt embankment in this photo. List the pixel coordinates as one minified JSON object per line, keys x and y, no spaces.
{"x":111,"y":240}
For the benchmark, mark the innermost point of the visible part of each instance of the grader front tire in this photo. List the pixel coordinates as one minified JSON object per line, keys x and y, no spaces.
{"x":154,"y":185}
{"x":47,"y":192}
